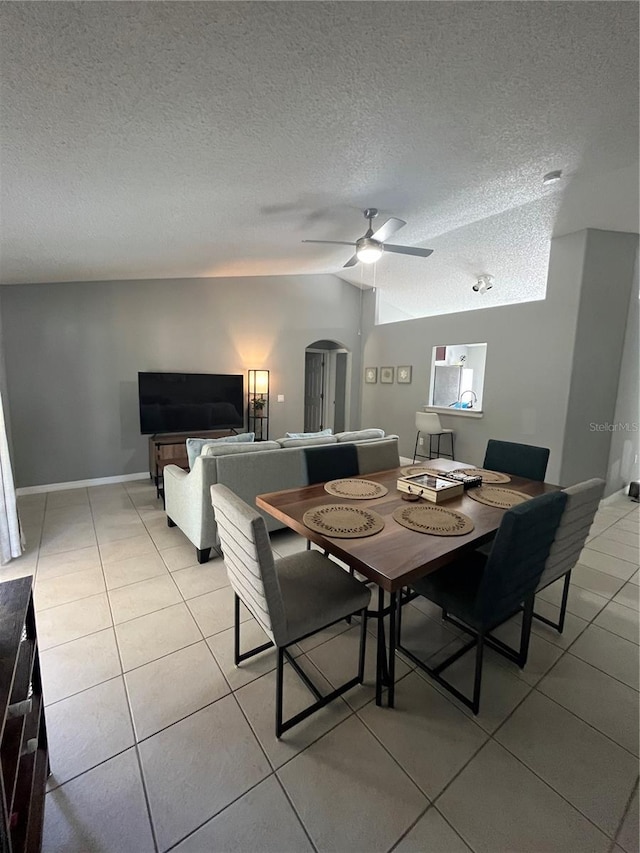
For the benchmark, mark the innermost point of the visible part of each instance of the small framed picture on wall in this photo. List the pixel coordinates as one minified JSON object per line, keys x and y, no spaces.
{"x":386,"y":375}
{"x":371,"y":375}
{"x":403,"y":374}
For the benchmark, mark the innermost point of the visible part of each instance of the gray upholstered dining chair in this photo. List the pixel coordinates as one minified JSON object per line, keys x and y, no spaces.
{"x":582,"y":504}
{"x":521,"y":460}
{"x":290,"y":598}
{"x":478,"y":593}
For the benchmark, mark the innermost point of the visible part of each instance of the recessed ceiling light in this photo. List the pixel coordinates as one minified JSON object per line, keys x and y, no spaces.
{"x":552,"y":177}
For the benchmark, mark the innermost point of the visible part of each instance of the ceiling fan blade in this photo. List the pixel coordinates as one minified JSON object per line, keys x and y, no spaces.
{"x":352,"y":261}
{"x":388,"y":228}
{"x":408,"y":250}
{"x":331,"y":242}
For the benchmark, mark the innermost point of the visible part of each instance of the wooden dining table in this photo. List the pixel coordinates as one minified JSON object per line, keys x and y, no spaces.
{"x":395,"y":556}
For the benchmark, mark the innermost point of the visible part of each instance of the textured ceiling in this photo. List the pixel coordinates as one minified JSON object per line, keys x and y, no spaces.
{"x":161,"y":139}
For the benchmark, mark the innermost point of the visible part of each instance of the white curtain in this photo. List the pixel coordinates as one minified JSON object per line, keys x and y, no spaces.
{"x":10,"y":539}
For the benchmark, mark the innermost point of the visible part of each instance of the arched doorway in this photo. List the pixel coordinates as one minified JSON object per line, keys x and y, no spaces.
{"x":327,"y":386}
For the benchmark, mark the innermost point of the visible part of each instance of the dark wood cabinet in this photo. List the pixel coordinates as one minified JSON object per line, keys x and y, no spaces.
{"x":171,"y":449}
{"x":24,"y":758}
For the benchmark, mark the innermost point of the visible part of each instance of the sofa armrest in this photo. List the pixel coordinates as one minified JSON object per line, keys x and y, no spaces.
{"x":174,"y":472}
{"x":187,"y":501}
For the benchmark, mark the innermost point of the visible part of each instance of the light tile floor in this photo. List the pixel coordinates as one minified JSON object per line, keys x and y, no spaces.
{"x":159,"y":743}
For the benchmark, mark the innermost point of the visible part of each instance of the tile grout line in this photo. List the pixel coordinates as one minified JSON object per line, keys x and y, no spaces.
{"x":536,"y":688}
{"x":254,"y":733}
{"x":119,"y":676}
{"x":586,"y":722}
{"x":355,"y":712}
{"x":491,"y":736}
{"x":615,"y":678}
{"x":143,"y":781}
{"x":231,"y":693}
{"x":626,"y":811}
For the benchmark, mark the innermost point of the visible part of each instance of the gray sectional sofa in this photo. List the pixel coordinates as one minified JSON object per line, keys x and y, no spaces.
{"x":251,"y":469}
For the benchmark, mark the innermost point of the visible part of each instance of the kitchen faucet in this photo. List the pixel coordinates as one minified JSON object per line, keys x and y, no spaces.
{"x":474,"y":400}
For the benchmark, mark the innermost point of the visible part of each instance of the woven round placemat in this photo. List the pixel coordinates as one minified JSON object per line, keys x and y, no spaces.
{"x":487,"y":476}
{"x":359,"y":490}
{"x":410,"y":470}
{"x":425,"y":518}
{"x":343,"y":521}
{"x":495,"y":496}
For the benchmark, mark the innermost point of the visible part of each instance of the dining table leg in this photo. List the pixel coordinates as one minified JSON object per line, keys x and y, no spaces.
{"x":382,"y":674}
{"x":386,"y":661}
{"x":391,"y":692}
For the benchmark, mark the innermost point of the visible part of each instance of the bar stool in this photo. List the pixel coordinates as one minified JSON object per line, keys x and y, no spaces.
{"x":428,"y":423}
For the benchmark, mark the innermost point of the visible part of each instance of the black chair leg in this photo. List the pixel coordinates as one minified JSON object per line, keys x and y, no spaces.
{"x":559,"y":625}
{"x":525,"y":633}
{"x":435,"y":672}
{"x":236,"y":629}
{"x":363,"y":645}
{"x":283,"y":726}
{"x":239,"y":656}
{"x":279,"y":685}
{"x":477,"y":681}
{"x":563,"y":605}
{"x":170,"y":522}
{"x":415,"y":449}
{"x":203,"y":555}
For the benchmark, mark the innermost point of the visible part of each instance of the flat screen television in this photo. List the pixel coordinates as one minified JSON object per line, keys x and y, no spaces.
{"x":190,"y":402}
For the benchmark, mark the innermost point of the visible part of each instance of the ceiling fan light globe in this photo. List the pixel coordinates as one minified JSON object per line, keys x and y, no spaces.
{"x":368,"y":251}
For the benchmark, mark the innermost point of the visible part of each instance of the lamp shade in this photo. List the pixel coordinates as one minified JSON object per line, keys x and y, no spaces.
{"x":262,"y":381}
{"x":258,"y":381}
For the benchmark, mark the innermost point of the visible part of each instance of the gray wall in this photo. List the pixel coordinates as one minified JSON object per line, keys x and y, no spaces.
{"x":5,"y":394}
{"x":552,"y":366}
{"x":602,"y":317}
{"x":528,"y":368}
{"x":73,"y":352}
{"x":625,"y":445}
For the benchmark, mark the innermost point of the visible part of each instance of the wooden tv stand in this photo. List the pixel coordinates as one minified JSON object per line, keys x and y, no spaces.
{"x":170,"y":448}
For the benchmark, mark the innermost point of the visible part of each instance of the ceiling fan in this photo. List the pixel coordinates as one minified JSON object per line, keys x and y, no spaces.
{"x":371,"y":246}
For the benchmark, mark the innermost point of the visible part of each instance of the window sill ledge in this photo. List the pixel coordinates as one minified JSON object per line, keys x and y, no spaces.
{"x":456,"y":413}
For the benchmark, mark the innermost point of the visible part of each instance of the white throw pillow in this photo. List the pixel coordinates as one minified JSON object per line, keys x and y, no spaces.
{"x":308,"y":434}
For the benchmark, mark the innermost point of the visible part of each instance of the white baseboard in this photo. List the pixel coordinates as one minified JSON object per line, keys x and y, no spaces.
{"x":81,"y":484}
{"x":615,"y":497}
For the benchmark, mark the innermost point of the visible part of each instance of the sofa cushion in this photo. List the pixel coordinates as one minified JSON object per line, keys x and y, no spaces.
{"x":327,"y":431}
{"x":238,"y":447}
{"x":195,"y":446}
{"x":360,"y":434}
{"x":307,"y":442}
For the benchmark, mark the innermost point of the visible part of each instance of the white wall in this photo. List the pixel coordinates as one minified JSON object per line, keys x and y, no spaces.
{"x":624,"y":465}
{"x":603,"y":310}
